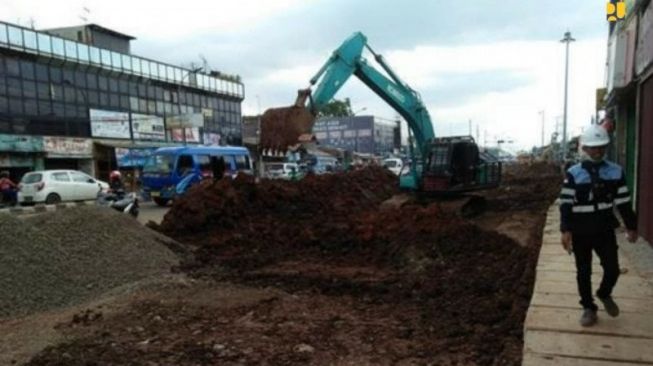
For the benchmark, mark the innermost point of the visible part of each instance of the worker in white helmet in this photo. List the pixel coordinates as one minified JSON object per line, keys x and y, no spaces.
{"x":590,"y":191}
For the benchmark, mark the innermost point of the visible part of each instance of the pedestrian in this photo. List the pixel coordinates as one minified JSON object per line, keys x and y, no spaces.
{"x":587,"y":222}
{"x":7,"y":188}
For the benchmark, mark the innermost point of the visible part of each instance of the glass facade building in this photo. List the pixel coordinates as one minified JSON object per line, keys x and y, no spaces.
{"x":362,"y":134}
{"x":50,"y":86}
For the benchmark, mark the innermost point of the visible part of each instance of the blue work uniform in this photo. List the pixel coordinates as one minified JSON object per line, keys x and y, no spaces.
{"x":588,"y":197}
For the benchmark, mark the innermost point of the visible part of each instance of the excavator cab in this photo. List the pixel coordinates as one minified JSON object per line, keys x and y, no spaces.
{"x":455,"y":165}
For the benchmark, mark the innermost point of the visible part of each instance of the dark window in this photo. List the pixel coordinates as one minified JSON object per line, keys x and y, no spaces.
{"x":27,"y":69}
{"x":69,"y":94}
{"x":184,"y":164}
{"x":68,"y":76}
{"x":133,"y":89}
{"x":80,"y":36}
{"x":2,"y":65}
{"x":80,"y":79}
{"x":123,"y":86}
{"x":159,"y":107}
{"x":15,"y":105}
{"x":124,"y":102}
{"x":196,"y":100}
{"x":81,"y":97}
{"x":142,"y":90}
{"x":103,"y":84}
{"x":104,"y":99}
{"x":182,"y":97}
{"x":91,"y":80}
{"x":42,"y":72}
{"x":205,"y":101}
{"x":3,"y":104}
{"x":114,"y":100}
{"x":31,"y":108}
{"x":71,"y":110}
{"x":14,"y":87}
{"x":45,"y":107}
{"x":57,"y":108}
{"x":113,"y":85}
{"x":55,"y":74}
{"x":151,"y":92}
{"x":92,"y":97}
{"x":29,"y":89}
{"x":13,"y":68}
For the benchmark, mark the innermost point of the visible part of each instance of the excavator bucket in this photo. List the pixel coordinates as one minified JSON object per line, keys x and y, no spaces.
{"x":281,"y":127}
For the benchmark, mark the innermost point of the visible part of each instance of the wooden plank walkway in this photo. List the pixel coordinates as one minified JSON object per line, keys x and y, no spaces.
{"x":552,"y":333}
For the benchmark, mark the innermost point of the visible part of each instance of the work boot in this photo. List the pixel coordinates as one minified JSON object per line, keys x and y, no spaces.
{"x":610,"y":306}
{"x":588,"y":318}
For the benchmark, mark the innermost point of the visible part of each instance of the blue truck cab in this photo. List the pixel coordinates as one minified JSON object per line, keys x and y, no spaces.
{"x":167,"y":167}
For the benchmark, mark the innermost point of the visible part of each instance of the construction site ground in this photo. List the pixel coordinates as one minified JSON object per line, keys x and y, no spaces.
{"x":314,"y":272}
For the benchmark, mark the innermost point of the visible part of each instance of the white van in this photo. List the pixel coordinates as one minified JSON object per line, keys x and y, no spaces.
{"x":281,"y":170}
{"x":394,"y":165}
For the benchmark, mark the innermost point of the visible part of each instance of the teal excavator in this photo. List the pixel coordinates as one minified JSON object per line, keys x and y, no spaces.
{"x":445,"y":166}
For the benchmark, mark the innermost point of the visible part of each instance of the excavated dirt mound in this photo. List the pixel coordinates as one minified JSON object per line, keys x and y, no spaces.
{"x":61,"y":258}
{"x":281,"y":127}
{"x":359,"y":285}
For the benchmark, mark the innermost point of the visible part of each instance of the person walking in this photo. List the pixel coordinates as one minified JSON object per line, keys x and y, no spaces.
{"x":7,"y":188}
{"x":590,"y":192}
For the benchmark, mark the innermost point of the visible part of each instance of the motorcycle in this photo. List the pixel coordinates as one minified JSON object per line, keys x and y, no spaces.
{"x":120,"y":201}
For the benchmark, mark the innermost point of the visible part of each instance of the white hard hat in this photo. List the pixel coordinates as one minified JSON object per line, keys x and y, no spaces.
{"x":595,"y":135}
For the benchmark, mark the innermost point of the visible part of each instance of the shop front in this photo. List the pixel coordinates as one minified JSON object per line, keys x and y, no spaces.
{"x":69,"y":153}
{"x":20,"y":154}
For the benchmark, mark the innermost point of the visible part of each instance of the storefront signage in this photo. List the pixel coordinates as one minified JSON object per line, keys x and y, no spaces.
{"x":67,"y":147}
{"x":132,"y":157}
{"x":211,"y":138}
{"x":185,"y":120}
{"x":192,"y":135}
{"x":15,"y":161}
{"x":22,"y":143}
{"x":146,"y":127}
{"x":644,"y":55}
{"x":109,"y":124}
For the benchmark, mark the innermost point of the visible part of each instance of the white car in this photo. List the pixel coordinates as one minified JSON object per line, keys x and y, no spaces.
{"x":54,"y":186}
{"x":281,"y":170}
{"x":394,"y":165}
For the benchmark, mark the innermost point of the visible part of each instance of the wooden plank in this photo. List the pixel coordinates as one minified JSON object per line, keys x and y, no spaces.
{"x":534,"y":359}
{"x":620,"y":291}
{"x":570,"y":301}
{"x":562,"y":257}
{"x":601,"y":347}
{"x":566,"y":320}
{"x":553,"y":266}
{"x":626,"y":279}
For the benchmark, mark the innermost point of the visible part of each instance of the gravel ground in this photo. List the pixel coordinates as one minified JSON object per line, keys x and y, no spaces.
{"x":65,"y":257}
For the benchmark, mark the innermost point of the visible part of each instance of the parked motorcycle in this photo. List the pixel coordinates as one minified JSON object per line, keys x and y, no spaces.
{"x":120,"y":201}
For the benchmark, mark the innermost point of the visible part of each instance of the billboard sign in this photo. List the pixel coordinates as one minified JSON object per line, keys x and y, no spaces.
{"x":146,"y":127}
{"x":109,"y":124}
{"x":349,"y":133}
{"x":187,"y":120}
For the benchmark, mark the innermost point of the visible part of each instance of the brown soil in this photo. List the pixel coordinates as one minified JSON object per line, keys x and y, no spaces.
{"x":347,"y":283}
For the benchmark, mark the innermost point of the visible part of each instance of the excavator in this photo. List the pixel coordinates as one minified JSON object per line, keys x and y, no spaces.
{"x":444,"y":167}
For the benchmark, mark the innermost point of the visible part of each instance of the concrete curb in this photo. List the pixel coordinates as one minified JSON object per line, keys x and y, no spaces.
{"x":40,"y":208}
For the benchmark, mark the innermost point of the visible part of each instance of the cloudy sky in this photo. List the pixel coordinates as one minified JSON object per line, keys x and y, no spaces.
{"x":496,"y":63}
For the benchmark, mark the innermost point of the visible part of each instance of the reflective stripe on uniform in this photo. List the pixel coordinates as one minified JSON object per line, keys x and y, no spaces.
{"x":619,"y":201}
{"x":566,"y":200}
{"x":603,"y":205}
{"x":623,"y":189}
{"x":582,"y":208}
{"x":568,"y":191}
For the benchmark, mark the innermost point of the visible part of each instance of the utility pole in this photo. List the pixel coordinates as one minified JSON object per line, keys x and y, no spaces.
{"x":470,"y":127}
{"x":543,"y":120}
{"x":566,"y":40}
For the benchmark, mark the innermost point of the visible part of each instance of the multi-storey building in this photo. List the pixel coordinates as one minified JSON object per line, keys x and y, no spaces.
{"x":72,"y":97}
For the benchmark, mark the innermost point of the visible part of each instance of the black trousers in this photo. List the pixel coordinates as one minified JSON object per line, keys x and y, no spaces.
{"x":605,"y":246}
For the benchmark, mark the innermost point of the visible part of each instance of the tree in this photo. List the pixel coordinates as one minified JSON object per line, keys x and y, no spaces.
{"x":336,"y":108}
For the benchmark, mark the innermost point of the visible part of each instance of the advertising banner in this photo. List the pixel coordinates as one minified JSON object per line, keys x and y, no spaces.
{"x":349,"y":133}
{"x":109,"y":124}
{"x":67,"y":147}
{"x":132,"y":157}
{"x":192,"y":135}
{"x":187,"y":120}
{"x":146,"y":127}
